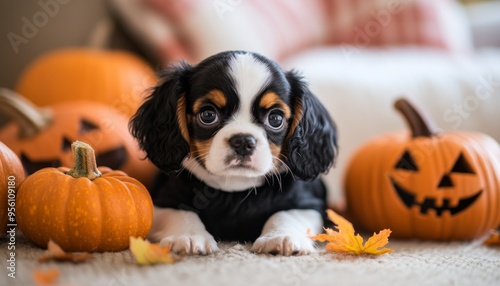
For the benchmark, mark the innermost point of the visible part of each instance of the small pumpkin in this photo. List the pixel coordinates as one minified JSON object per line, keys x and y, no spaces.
{"x":426,"y":184}
{"x":84,"y":208}
{"x":42,"y":137}
{"x":11,"y":176}
{"x":115,"y":78}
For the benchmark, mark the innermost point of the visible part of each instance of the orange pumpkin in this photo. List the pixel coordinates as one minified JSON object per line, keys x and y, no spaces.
{"x":42,"y":137}
{"x":83,"y":208}
{"x":11,"y":176}
{"x":425,"y":184}
{"x":115,"y":78}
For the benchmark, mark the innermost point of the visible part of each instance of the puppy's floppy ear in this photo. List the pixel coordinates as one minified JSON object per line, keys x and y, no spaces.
{"x":311,"y":145}
{"x":159,"y":125}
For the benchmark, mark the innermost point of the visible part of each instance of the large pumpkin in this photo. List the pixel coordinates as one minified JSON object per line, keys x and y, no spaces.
{"x":426,"y":184}
{"x":83,"y":208}
{"x":42,"y":137}
{"x":11,"y":176}
{"x":116,"y":78}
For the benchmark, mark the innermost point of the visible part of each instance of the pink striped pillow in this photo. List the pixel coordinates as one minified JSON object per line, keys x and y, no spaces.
{"x":279,"y":28}
{"x":434,"y":23}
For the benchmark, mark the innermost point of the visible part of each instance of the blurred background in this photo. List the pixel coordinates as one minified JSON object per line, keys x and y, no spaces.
{"x":357,"y":55}
{"x":74,"y":24}
{"x":111,"y":24}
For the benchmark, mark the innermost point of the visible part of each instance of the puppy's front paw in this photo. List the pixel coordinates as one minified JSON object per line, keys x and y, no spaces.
{"x":191,"y":243}
{"x":283,"y":244}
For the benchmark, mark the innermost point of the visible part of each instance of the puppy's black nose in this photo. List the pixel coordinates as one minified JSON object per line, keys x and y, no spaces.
{"x":243,"y":144}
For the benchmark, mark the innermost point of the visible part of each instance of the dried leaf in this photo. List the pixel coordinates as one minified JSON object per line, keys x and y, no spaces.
{"x":45,"y":277}
{"x":346,"y":241}
{"x":147,"y":253}
{"x":494,"y":239}
{"x":56,"y":253}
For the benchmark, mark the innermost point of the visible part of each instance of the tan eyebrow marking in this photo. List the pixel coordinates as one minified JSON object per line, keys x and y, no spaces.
{"x":215,"y":96}
{"x":271,"y":99}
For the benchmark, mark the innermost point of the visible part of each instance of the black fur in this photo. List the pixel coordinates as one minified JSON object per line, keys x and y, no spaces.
{"x":155,"y":124}
{"x":238,"y":216}
{"x":313,"y":146}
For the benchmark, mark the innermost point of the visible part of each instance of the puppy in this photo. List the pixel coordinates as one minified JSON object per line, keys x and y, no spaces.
{"x":241,"y":143}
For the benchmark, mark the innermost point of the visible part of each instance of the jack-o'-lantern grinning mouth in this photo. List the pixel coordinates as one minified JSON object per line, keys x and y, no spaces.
{"x":430,"y":203}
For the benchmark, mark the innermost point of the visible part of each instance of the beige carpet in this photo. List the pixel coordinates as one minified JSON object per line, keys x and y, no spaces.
{"x":411,"y":263}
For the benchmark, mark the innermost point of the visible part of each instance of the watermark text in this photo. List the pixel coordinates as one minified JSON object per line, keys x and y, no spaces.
{"x":11,"y":226}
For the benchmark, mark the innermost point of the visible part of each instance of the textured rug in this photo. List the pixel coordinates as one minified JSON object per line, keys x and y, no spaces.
{"x":411,"y":263}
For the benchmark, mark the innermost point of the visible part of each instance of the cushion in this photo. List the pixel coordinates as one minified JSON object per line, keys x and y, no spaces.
{"x":430,"y":23}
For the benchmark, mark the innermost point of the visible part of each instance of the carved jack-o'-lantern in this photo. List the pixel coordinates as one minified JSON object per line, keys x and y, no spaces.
{"x":429,"y":185}
{"x":42,"y":137}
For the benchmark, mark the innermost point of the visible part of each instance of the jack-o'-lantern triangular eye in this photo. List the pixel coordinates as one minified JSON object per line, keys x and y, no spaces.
{"x":462,"y":166}
{"x":406,"y":162}
{"x":66,"y":144}
{"x":86,"y":126}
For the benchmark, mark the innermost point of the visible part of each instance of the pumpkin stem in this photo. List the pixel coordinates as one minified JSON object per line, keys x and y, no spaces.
{"x":31,"y":119}
{"x":419,"y":124}
{"x":85,"y":164}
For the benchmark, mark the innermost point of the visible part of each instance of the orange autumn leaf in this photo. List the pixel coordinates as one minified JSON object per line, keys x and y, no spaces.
{"x":346,"y":241}
{"x":494,"y":239}
{"x":147,"y":253}
{"x":45,"y":277}
{"x":55,"y":252}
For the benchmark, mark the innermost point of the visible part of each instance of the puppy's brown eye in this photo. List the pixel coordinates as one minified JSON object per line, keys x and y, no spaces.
{"x":208,"y":116}
{"x":275,"y":119}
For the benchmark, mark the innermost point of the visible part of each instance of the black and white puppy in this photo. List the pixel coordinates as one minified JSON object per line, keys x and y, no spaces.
{"x":241,"y":143}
